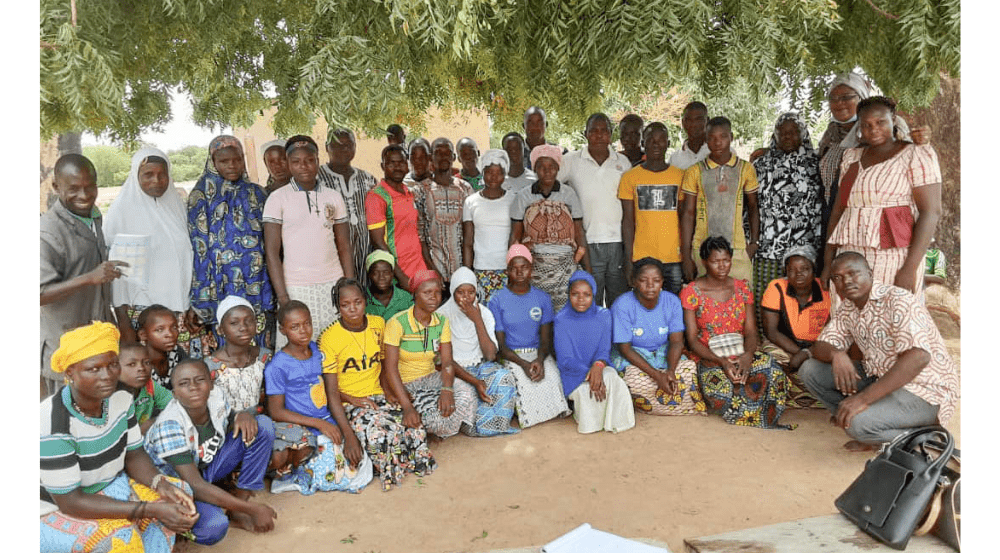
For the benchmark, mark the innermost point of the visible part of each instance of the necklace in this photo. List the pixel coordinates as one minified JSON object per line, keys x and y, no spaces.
{"x":99,"y":421}
{"x":235,"y":362}
{"x":364,"y":337}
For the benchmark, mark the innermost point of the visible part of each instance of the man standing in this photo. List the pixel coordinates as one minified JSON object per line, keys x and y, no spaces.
{"x":713,"y":204}
{"x":906,"y":380}
{"x":594,"y":173}
{"x":75,"y":273}
{"x":395,"y":135}
{"x":518,"y":176}
{"x":649,"y":195}
{"x":630,"y":136}
{"x":352,"y":184}
{"x":392,"y":217}
{"x":439,"y":201}
{"x":694,"y":121}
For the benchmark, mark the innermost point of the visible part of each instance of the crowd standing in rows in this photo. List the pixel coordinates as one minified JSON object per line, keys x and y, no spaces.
{"x":305,"y":317}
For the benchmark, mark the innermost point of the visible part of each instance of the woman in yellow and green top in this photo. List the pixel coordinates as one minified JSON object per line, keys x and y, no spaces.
{"x":352,"y":349}
{"x":418,"y":365}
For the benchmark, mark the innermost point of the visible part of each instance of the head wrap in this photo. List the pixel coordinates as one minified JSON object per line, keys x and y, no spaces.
{"x":218,"y":143}
{"x":799,"y":122}
{"x":546,"y":150}
{"x":166,"y":276}
{"x":379,"y":255}
{"x":852,"y":80}
{"x":805,"y":251}
{"x":224,"y":141}
{"x":278,"y":143}
{"x":228,"y":303}
{"x":518,"y":250}
{"x":300,"y":143}
{"x":464,"y":339}
{"x":422,"y":276}
{"x":495,"y":157}
{"x":581,"y":338}
{"x":85,"y":342}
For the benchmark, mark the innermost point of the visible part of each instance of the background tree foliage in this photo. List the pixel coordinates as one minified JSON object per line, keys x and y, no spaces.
{"x":363,"y":63}
{"x":114,"y":163}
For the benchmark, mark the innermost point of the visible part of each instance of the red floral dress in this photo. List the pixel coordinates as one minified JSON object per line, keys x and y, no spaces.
{"x":760,"y":400}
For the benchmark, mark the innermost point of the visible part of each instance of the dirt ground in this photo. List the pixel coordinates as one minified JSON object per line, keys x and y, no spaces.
{"x":666,"y":479}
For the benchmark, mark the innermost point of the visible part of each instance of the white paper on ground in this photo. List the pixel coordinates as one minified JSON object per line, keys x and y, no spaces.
{"x":587,"y":539}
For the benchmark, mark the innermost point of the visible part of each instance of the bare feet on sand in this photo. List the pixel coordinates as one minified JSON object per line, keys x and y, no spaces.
{"x":854,"y":445}
{"x":241,"y":520}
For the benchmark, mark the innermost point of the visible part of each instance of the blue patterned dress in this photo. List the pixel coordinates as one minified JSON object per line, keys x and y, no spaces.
{"x":227,"y":234}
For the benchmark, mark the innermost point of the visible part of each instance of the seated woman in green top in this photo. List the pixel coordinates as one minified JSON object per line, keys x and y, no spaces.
{"x":418,"y":366}
{"x":384,"y":298}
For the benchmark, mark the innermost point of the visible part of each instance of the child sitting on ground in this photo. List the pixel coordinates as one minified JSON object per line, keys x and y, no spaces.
{"x":299,"y":393}
{"x":149,"y":398}
{"x":582,"y":339}
{"x":158,"y":332}
{"x":191,"y":440}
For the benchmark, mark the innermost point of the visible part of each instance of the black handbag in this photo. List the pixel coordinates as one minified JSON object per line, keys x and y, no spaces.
{"x":890,"y":497}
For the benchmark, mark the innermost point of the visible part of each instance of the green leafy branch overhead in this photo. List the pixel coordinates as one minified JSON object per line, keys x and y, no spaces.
{"x":364,"y":63}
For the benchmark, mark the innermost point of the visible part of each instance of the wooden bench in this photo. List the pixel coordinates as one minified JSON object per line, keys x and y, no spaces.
{"x":829,"y":533}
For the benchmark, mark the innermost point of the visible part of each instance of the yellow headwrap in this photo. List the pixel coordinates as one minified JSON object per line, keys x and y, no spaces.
{"x":85,"y":342}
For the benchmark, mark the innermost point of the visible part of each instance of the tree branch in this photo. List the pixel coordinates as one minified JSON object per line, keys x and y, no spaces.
{"x":881,"y":11}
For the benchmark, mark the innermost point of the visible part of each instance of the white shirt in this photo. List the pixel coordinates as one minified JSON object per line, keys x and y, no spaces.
{"x":491,"y":223}
{"x":684,"y":157}
{"x":597,"y":187}
{"x":514,"y":184}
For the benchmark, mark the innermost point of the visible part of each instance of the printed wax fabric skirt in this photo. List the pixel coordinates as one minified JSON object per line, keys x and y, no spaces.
{"x":493,"y":418}
{"x":613,"y":414}
{"x":328,"y":470}
{"x":62,"y":533}
{"x":425,"y":392}
{"x":393,"y":448}
{"x":758,"y":402}
{"x":318,"y":298}
{"x":490,"y":281}
{"x":647,"y":395}
{"x":798,"y":395}
{"x":542,"y":400}
{"x":197,"y":344}
{"x":551,"y":274}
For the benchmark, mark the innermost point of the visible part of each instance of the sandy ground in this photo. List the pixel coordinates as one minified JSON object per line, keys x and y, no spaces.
{"x":666,"y":479}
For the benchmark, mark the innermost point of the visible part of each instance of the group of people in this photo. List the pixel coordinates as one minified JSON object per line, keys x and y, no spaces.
{"x":318,"y":330}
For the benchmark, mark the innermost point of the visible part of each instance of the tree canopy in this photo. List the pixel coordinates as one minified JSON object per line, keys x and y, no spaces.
{"x":107,"y":65}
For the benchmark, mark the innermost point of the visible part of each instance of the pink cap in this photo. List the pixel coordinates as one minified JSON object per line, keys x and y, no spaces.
{"x":518,"y":250}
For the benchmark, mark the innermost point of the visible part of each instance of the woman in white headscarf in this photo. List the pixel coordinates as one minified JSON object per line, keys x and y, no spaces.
{"x":474,"y":350}
{"x":149,"y":212}
{"x":486,"y":225}
{"x":846,"y":91}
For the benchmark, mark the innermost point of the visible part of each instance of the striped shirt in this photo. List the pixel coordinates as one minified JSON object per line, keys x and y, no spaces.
{"x":76,"y":454}
{"x":418,"y":345}
{"x":883,"y":185}
{"x":354,"y":191}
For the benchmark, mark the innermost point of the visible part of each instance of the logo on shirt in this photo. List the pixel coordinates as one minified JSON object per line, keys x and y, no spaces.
{"x":656,"y":197}
{"x":208,"y":448}
{"x":637,"y":331}
{"x":535,"y":314}
{"x":663,"y":330}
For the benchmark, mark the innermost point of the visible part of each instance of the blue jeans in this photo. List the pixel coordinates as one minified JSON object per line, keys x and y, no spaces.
{"x":884,"y":419}
{"x":251,"y":460}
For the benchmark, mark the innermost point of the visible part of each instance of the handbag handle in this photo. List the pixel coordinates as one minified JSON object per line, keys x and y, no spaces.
{"x":906,"y":439}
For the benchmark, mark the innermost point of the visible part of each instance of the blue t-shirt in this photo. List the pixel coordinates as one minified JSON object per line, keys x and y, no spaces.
{"x":520,"y":317}
{"x":301,"y":381}
{"x":646,"y":328}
